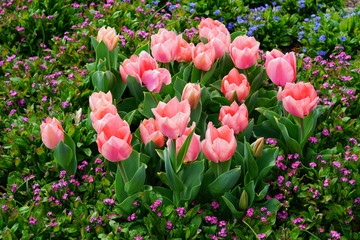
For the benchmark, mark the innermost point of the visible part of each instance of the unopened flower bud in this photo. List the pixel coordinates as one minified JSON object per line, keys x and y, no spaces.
{"x":258,"y":147}
{"x":244,"y":200}
{"x":191,"y":92}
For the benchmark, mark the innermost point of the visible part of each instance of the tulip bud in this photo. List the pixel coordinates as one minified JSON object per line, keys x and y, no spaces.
{"x":244,"y":200}
{"x":108,"y":35}
{"x":78,"y":117}
{"x":191,"y":92}
{"x":258,"y":147}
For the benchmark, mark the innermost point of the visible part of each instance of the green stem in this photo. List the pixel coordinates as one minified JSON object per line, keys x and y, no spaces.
{"x":302,"y":128}
{"x":218,"y":166}
{"x":247,"y":75}
{"x":202,"y":75}
{"x":153,"y":97}
{"x":251,"y":229}
{"x":123,"y":173}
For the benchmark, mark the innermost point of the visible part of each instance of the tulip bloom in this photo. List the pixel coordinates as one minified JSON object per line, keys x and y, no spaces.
{"x":299,"y":99}
{"x":165,"y":45}
{"x":235,"y":84}
{"x":208,"y":26}
{"x":244,"y":51}
{"x":185,"y":53}
{"x":98,"y":99}
{"x":130,"y":67}
{"x":234,"y":116}
{"x":194,"y":147}
{"x":220,"y":41}
{"x":150,"y":132}
{"x":219,"y":144}
{"x":114,"y":140}
{"x":108,"y":35}
{"x":191,"y":92}
{"x":51,"y":132}
{"x":280,"y":68}
{"x":172,"y":117}
{"x":100,"y":113}
{"x":203,"y":56}
{"x":154,"y":79}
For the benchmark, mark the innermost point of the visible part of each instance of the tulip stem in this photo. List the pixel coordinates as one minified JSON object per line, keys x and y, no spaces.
{"x":123,"y":173}
{"x":302,"y":128}
{"x":153,"y":97}
{"x":247,"y":75}
{"x":218,"y":169}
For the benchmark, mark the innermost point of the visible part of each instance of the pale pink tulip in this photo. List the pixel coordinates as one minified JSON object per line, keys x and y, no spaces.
{"x":219,"y":144}
{"x":235,"y":85}
{"x":165,"y":45}
{"x":280,"y":68}
{"x":299,"y":99}
{"x":172,"y":117}
{"x":100,"y":113}
{"x":98,"y":99}
{"x":114,"y":140}
{"x":146,"y":62}
{"x":208,"y":25}
{"x":130,"y":67}
{"x":203,"y":56}
{"x":51,"y":132}
{"x":150,"y":132}
{"x":234,"y":116}
{"x":154,"y":79}
{"x":194,"y":147}
{"x":244,"y":51}
{"x":108,"y":35}
{"x":220,"y":41}
{"x":185,"y":53}
{"x":191,"y":92}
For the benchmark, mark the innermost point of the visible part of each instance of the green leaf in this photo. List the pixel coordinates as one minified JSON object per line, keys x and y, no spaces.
{"x":119,"y":86}
{"x":195,"y":75}
{"x":182,"y":151}
{"x":94,"y":43}
{"x":187,"y":72}
{"x":135,"y":88}
{"x":136,"y":184}
{"x":175,"y":182}
{"x":150,"y":102}
{"x":224,"y":182}
{"x":232,"y":201}
{"x":192,"y":176}
{"x":119,"y":186}
{"x":145,"y":48}
{"x":126,"y":205}
{"x":209,"y":74}
{"x":236,"y":34}
{"x":250,"y":189}
{"x":102,"y":52}
{"x":64,"y":155}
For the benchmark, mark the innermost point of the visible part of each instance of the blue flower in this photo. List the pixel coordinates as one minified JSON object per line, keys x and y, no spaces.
{"x":343,"y":38}
{"x":192,"y":4}
{"x":217,"y":12}
{"x":304,"y":50}
{"x":276,"y":18}
{"x":322,"y":38}
{"x":155,"y":2}
{"x":327,"y":15}
{"x":321,"y":53}
{"x":192,"y":10}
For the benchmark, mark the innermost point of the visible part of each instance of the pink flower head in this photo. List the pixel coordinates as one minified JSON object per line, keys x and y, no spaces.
{"x":108,"y":35}
{"x":235,"y":85}
{"x":154,"y":79}
{"x":51,"y":132}
{"x":185,"y":53}
{"x":208,"y":26}
{"x":203,"y":56}
{"x":219,"y":144}
{"x":100,"y":113}
{"x":150,"y":132}
{"x":299,"y":99}
{"x":280,"y":68}
{"x":191,"y":92}
{"x":234,"y":116}
{"x":165,"y":45}
{"x":130,"y":67}
{"x":172,"y":117}
{"x":220,"y":41}
{"x":114,"y":140}
{"x":194,"y":147}
{"x":99,"y":99}
{"x":244,"y":51}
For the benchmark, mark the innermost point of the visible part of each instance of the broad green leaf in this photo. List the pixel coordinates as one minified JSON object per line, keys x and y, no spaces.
{"x":224,"y":182}
{"x":135,"y":88}
{"x":119,"y":186}
{"x":145,"y":48}
{"x":136,"y":184}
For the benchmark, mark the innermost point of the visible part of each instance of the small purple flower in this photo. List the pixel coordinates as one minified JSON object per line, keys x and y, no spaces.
{"x":312,"y":164}
{"x":215,"y":205}
{"x":181,"y":211}
{"x":109,"y":201}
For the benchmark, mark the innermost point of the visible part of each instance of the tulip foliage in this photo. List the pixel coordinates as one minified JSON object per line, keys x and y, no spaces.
{"x":178,"y":118}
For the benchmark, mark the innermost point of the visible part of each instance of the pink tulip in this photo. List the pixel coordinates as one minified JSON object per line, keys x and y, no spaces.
{"x":108,"y":35}
{"x":137,"y":65}
{"x":98,"y":124}
{"x":130,"y":67}
{"x":244,"y":51}
{"x":154,"y":79}
{"x":203,"y":56}
{"x":51,"y":132}
{"x":194,"y":147}
{"x":299,"y":99}
{"x":219,"y":144}
{"x":150,"y":132}
{"x":280,"y":68}
{"x":100,"y":113}
{"x":235,"y":84}
{"x":172,"y":117}
{"x":191,"y":92}
{"x":208,"y":25}
{"x":234,"y":116}
{"x":98,"y":99}
{"x":220,"y":41}
{"x":165,"y":45}
{"x":114,"y":140}
{"x":185,"y":53}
